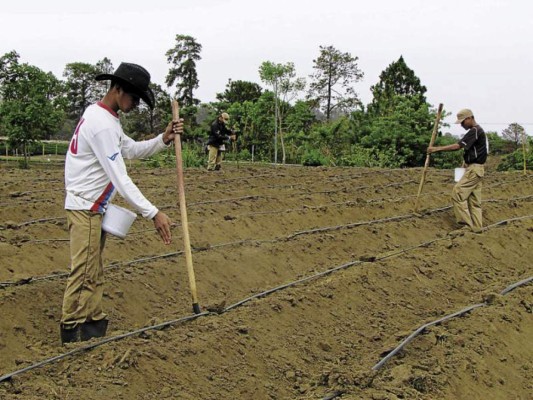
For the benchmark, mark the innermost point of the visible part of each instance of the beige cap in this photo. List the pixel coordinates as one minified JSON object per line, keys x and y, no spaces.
{"x":463,"y":114}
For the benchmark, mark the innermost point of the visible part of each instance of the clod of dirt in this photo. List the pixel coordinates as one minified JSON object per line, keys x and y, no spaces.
{"x":217,"y":307}
{"x":243,"y":330}
{"x":11,"y":225}
{"x":493,"y":298}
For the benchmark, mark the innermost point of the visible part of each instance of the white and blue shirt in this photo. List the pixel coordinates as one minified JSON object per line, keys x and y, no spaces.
{"x":95,"y":168}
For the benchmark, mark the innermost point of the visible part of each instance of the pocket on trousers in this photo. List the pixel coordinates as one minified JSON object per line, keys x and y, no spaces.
{"x":479,"y":171}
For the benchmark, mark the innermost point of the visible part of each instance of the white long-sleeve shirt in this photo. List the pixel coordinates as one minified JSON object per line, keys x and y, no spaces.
{"x":94,"y":166}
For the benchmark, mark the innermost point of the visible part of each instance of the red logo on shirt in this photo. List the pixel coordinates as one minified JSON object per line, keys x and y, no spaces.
{"x":74,"y":141}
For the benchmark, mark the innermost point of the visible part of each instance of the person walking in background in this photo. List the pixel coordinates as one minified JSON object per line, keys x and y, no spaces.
{"x":94,"y":172}
{"x":466,"y":195}
{"x":216,"y":143}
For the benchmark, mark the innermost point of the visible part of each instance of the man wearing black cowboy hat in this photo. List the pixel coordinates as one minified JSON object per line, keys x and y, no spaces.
{"x":94,"y":172}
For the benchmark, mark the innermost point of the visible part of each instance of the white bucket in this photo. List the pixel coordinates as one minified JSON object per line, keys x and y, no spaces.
{"x":117,"y":220}
{"x":459,"y":172}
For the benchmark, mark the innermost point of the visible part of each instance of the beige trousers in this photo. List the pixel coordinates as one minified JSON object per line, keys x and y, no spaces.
{"x":466,"y":197}
{"x":215,"y":158}
{"x":82,"y":300}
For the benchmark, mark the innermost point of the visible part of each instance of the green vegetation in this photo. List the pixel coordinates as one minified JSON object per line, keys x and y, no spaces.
{"x":320,"y":123}
{"x":515,"y":160}
{"x":192,"y":157}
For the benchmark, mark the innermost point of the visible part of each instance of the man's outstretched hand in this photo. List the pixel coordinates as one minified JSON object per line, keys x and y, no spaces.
{"x":162,"y":224}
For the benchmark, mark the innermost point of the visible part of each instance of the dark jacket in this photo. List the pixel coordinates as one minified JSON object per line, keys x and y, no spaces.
{"x":474,"y":142}
{"x":219,"y":134}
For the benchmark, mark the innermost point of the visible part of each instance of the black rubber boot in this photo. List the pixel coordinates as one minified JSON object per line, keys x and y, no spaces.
{"x":69,"y":334}
{"x":93,"y":329}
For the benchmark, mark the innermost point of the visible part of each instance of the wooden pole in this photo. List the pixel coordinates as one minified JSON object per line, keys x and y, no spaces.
{"x":183,"y":209}
{"x":426,"y":164}
{"x":524,"y":153}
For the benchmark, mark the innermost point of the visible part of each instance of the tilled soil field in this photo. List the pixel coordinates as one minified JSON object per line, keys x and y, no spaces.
{"x":307,"y":278}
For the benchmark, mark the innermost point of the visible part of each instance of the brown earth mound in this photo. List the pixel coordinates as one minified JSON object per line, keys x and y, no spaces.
{"x":254,"y":228}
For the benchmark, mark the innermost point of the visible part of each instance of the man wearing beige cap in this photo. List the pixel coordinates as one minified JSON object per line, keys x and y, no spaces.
{"x":466,"y":195}
{"x":216,"y":143}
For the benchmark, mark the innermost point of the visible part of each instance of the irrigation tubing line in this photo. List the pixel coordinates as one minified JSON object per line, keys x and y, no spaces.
{"x":289,"y":210}
{"x":194,"y":316}
{"x":286,"y":211}
{"x":91,"y":346}
{"x":24,"y":281}
{"x":443,"y":319}
{"x":100,"y":343}
{"x":256,"y":197}
{"x":394,"y":184}
{"x":330,"y":271}
{"x":114,"y":265}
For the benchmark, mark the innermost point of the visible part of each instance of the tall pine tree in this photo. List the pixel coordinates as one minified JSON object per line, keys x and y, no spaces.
{"x":396,"y":80}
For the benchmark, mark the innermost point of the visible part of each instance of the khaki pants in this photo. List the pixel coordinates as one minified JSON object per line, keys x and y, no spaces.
{"x":466,"y":197}
{"x":215,"y":158}
{"x":85,"y":285}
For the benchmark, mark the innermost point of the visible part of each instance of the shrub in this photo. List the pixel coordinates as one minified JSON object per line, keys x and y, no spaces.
{"x":446,"y":159}
{"x":191,"y":154}
{"x":314,"y":158}
{"x":515,"y":161}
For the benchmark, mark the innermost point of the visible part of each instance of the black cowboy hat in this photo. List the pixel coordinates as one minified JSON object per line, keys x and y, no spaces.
{"x":134,"y":79}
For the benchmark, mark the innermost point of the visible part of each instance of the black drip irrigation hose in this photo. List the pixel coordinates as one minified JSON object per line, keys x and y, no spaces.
{"x":443,"y":319}
{"x":29,"y":280}
{"x":246,"y":300}
{"x":194,"y":316}
{"x":333,"y":395}
{"x":91,"y":346}
{"x":25,"y":281}
{"x":256,"y":197}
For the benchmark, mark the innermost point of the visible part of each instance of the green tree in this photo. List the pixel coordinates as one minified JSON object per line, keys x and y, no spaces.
{"x":82,"y":89}
{"x":183,"y":57}
{"x":143,"y":122}
{"x":32,"y":105}
{"x":285,"y":84}
{"x":239,"y":92}
{"x":518,"y":159}
{"x":498,"y":145}
{"x":405,"y":130}
{"x":259,"y":124}
{"x":300,"y":117}
{"x":446,"y":159}
{"x":514,"y":133}
{"x":333,"y":79}
{"x":395,"y":82}
{"x":104,"y":66}
{"x":398,"y":121}
{"x":8,"y":64}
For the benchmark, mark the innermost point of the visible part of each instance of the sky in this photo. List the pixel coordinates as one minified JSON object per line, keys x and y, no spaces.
{"x":475,"y":54}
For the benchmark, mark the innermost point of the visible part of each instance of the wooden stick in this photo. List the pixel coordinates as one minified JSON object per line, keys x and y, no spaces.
{"x":426,"y":164}
{"x":183,"y":209}
{"x":524,"y":153}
